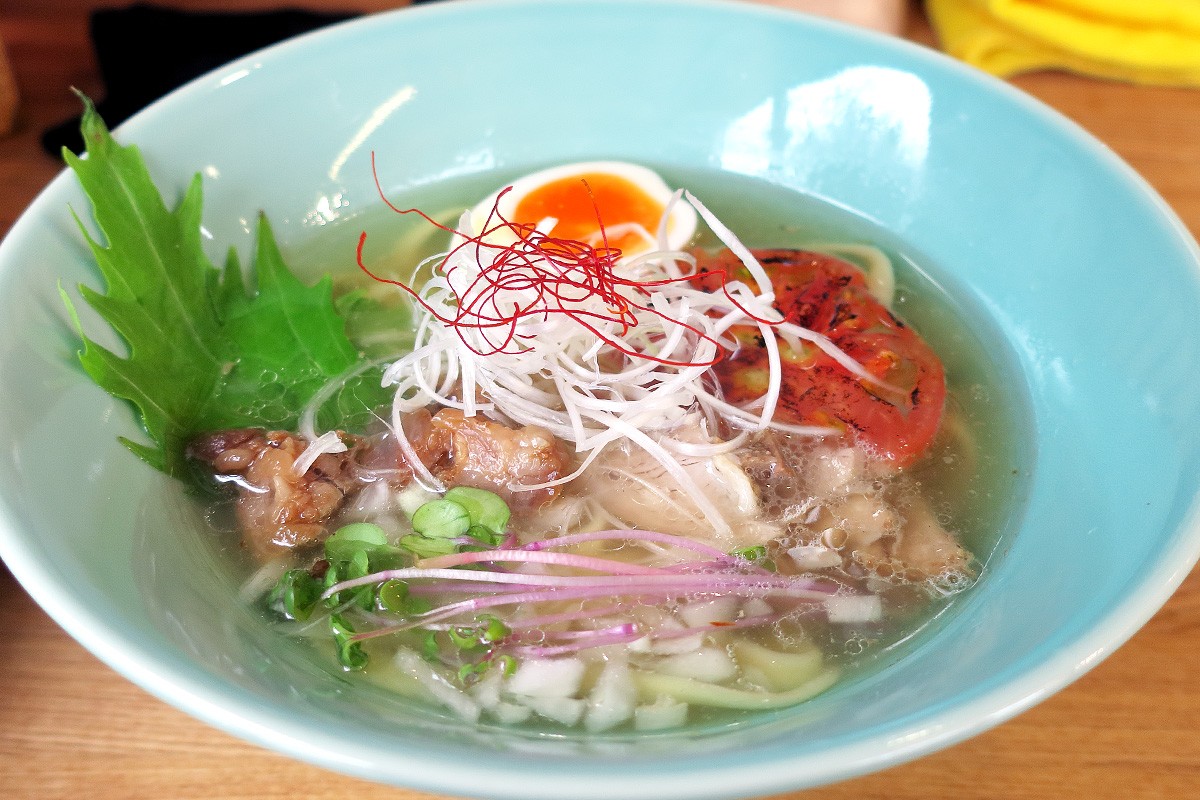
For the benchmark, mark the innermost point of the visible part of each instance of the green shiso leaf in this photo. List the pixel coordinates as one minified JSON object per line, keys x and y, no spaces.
{"x":205,"y":352}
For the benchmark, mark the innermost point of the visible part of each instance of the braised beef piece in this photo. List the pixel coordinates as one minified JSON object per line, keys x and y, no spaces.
{"x":477,"y":452}
{"x":279,"y":510}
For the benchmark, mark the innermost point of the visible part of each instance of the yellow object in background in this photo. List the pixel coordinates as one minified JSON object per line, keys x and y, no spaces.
{"x":1142,"y":41}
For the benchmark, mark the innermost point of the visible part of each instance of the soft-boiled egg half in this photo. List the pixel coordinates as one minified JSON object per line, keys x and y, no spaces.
{"x":623,"y":205}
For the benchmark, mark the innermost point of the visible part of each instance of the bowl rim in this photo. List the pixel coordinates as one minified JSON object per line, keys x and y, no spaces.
{"x":185,"y":686}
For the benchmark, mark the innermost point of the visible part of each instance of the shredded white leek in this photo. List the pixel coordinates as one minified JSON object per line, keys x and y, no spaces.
{"x":554,"y":373}
{"x":328,"y":442}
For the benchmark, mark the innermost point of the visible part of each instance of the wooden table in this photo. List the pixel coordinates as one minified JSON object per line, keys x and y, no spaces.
{"x":71,"y":728}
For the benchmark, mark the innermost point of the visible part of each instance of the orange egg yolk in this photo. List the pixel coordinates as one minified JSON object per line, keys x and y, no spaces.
{"x":576,"y":201}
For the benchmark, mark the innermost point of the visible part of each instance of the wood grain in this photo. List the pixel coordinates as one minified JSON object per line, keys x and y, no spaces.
{"x":72,"y":728}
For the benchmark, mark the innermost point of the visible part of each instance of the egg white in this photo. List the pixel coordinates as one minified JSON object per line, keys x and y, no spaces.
{"x":680,"y":222}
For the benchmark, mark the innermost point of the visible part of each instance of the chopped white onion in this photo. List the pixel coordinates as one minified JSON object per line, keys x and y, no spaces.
{"x":438,"y":687}
{"x":757,"y":607}
{"x":853,"y":609}
{"x":707,"y":612}
{"x":510,"y":713}
{"x":812,"y":556}
{"x":612,"y":700}
{"x":708,"y":664}
{"x":664,"y":712}
{"x":564,"y":710}
{"x":547,"y":677}
{"x":486,"y":690}
{"x":412,"y":497}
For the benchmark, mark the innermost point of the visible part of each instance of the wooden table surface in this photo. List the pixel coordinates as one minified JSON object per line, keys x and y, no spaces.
{"x":72,"y":728}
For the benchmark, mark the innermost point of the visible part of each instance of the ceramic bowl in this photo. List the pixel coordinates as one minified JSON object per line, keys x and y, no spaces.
{"x":1080,"y":280}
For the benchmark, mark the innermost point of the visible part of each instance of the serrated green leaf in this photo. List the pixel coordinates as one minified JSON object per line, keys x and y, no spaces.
{"x":205,"y":352}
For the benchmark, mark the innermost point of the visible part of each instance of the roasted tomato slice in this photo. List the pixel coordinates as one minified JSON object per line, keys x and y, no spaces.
{"x":830,"y":296}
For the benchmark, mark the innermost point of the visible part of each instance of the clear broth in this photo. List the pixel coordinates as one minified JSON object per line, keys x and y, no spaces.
{"x":977,"y":491}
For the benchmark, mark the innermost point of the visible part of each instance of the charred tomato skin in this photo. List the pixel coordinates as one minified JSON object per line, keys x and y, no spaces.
{"x":897,"y":418}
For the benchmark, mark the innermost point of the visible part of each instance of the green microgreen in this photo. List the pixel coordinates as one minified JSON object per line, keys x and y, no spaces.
{"x":463,"y":513}
{"x":296,"y":594}
{"x":441,"y":519}
{"x":424,"y":547}
{"x":486,"y":510}
{"x":485,"y":535}
{"x":393,"y":597}
{"x":464,"y":519}
{"x":506,"y":663}
{"x":352,"y":538}
{"x":350,"y":653}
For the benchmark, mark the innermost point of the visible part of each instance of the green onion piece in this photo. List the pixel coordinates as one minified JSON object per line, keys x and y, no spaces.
{"x":492,"y":629}
{"x":441,"y":519}
{"x":752,"y":553}
{"x":486,"y":509}
{"x":507,"y":664}
{"x":489,"y":631}
{"x":430,"y":648}
{"x":755,"y":554}
{"x":469,"y":673}
{"x":350,"y":654}
{"x":463,"y":637}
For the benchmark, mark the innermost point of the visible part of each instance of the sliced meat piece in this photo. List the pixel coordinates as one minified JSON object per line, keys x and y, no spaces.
{"x":635,"y":489}
{"x":920,"y":549}
{"x":840,"y":499}
{"x":277,"y":510}
{"x":380,"y":456}
{"x":487,"y":455}
{"x":928,"y":548}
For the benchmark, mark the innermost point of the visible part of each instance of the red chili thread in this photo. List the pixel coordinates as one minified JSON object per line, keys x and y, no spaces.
{"x":562,"y":274}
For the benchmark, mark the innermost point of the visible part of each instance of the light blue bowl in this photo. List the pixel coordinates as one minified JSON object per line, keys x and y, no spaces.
{"x":1087,"y":283}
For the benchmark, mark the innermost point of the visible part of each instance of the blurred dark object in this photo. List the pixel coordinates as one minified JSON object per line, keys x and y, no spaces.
{"x":145,"y":51}
{"x":8,"y":93}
